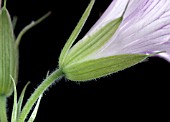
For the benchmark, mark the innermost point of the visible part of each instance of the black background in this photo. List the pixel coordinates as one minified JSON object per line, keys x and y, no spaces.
{"x":140,"y":91}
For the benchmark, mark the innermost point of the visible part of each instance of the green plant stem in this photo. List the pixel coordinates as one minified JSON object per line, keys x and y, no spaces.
{"x":28,"y":27}
{"x":40,"y":90}
{"x":3,"y":112}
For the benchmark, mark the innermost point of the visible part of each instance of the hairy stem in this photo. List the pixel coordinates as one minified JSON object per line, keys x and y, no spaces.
{"x":3,"y":112}
{"x":40,"y":90}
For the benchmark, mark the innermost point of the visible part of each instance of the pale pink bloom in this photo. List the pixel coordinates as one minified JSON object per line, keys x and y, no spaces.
{"x":145,"y":28}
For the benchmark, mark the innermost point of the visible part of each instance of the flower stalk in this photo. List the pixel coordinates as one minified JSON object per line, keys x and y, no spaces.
{"x":40,"y":90}
{"x":3,"y":111}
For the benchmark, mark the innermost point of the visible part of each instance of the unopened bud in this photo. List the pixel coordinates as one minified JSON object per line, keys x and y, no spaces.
{"x":8,"y":54}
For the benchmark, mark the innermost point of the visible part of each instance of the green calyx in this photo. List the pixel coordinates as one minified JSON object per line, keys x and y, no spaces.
{"x":74,"y":60}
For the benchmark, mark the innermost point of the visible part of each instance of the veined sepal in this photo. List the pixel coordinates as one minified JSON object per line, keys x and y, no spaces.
{"x":92,"y":69}
{"x":8,"y":53}
{"x":75,"y":34}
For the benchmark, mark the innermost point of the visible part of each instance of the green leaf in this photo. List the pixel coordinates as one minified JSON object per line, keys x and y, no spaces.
{"x":92,"y":69}
{"x":14,"y":111}
{"x":75,"y":33}
{"x":21,"y":100}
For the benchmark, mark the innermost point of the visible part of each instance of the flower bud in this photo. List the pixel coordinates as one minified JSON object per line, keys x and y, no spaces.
{"x":8,"y":54}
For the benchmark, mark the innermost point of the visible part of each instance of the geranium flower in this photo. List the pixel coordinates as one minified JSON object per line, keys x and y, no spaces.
{"x":126,"y":34}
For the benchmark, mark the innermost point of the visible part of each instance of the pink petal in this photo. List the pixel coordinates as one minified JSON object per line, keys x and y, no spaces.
{"x":114,"y":11}
{"x":145,"y":28}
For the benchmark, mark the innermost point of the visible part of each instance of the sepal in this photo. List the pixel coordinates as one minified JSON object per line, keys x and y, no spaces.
{"x":8,"y":53}
{"x":92,"y":69}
